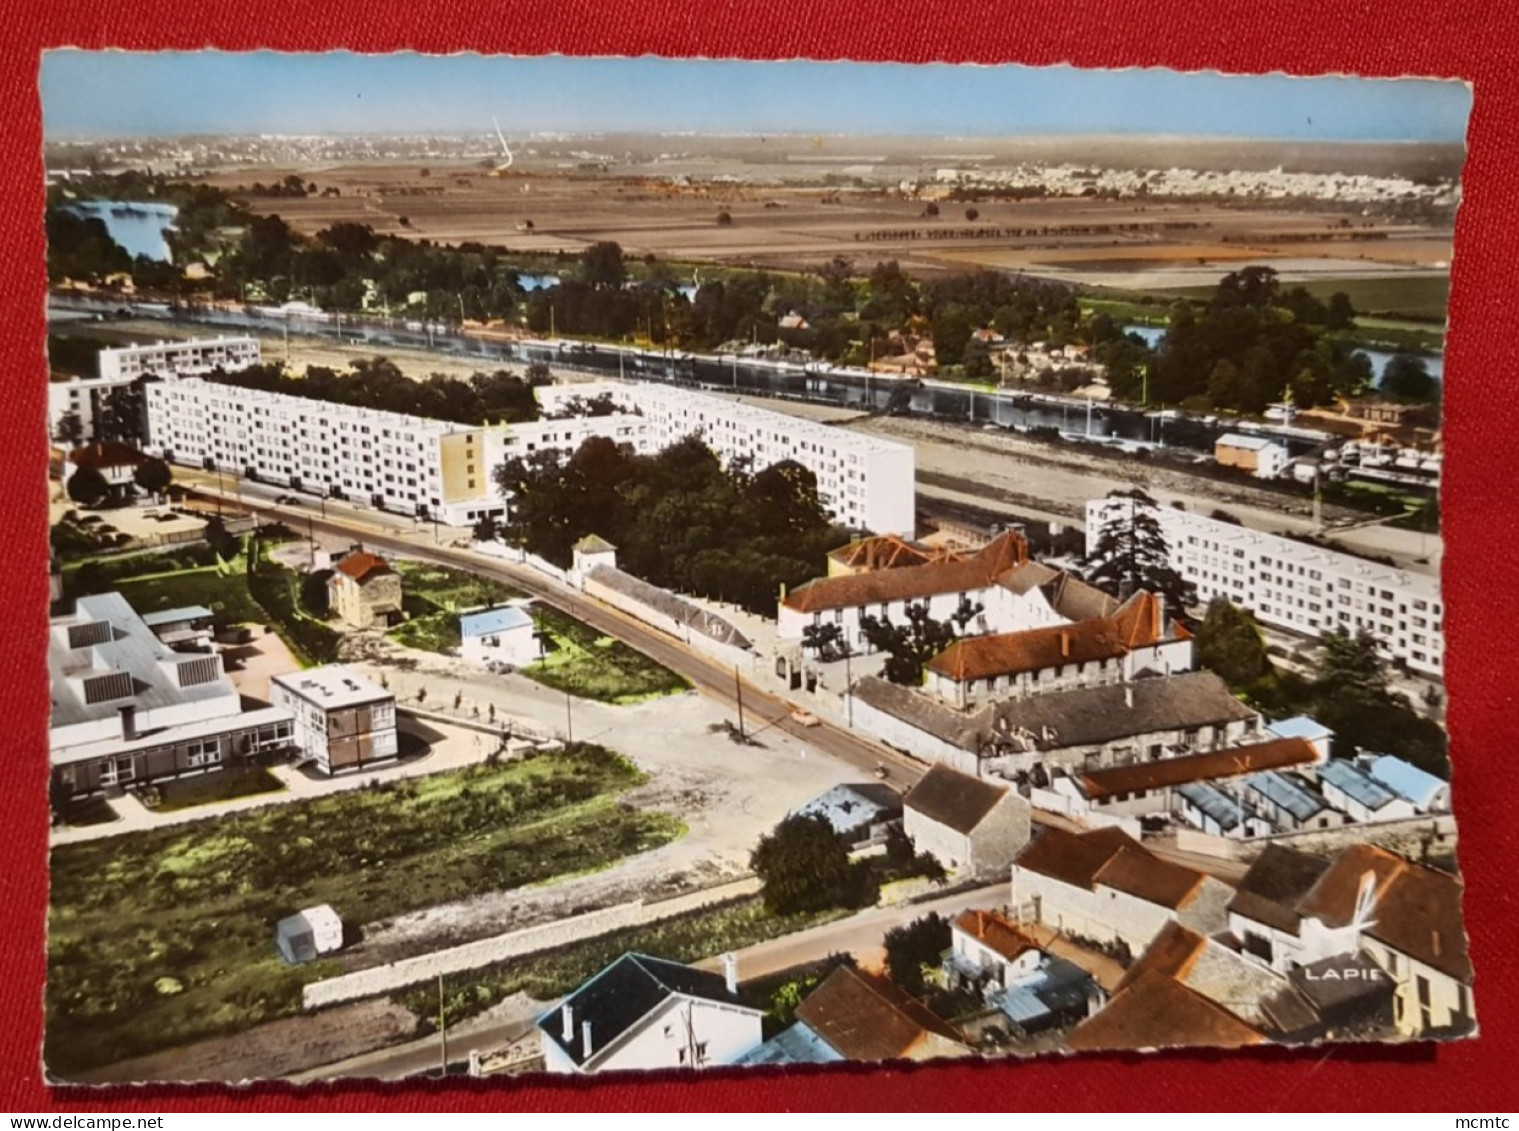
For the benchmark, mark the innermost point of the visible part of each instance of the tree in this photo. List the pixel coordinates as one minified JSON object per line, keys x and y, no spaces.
{"x":1132,"y":554}
{"x":911,"y":645}
{"x":88,"y":487}
{"x":725,"y":219}
{"x":70,"y":429}
{"x":1407,"y":378}
{"x":804,"y":866}
{"x":486,"y":529}
{"x":1229,"y":642}
{"x":931,"y":209}
{"x":601,"y":266}
{"x":912,"y":947}
{"x":973,"y":214}
{"x":1339,"y":314}
{"x":827,"y":640}
{"x":1351,"y":695}
{"x":153,"y":476}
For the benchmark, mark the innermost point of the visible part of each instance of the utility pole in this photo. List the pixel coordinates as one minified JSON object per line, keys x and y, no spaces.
{"x":569,"y":718}
{"x":738,"y":686}
{"x":848,"y":683}
{"x":442,"y":1028}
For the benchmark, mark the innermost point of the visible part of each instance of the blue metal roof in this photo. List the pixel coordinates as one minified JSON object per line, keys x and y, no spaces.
{"x":845,"y":809}
{"x":1223,"y":810}
{"x":1356,"y":784}
{"x":796,"y":1045}
{"x":1287,"y":793}
{"x":1406,"y":780}
{"x":1299,"y":726}
{"x":174,"y":616}
{"x":1056,"y":985}
{"x":493,"y":620}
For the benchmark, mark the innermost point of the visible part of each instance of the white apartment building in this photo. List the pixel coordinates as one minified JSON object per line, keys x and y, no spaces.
{"x":867,"y":482}
{"x":178,"y":359}
{"x":1296,"y":586}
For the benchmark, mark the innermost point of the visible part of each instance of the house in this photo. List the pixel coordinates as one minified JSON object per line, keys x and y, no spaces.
{"x":793,"y":321}
{"x":1115,"y":649}
{"x":971,"y":826}
{"x":995,"y":589}
{"x":504,"y":635}
{"x":1035,"y":990}
{"x":642,"y":1013}
{"x":128,"y":710}
{"x":1406,"y":918}
{"x":863,"y":1016}
{"x":857,"y":812}
{"x":117,"y":464}
{"x":187,"y":629}
{"x":342,"y":720}
{"x":1261,"y":457}
{"x":1086,"y":727}
{"x":1296,"y":912}
{"x":364,"y":591}
{"x":1106,"y":887}
{"x":1150,"y":788}
{"x":1428,"y":793}
{"x":1158,"y":1012}
{"x":1355,"y":791}
{"x":308,"y":934}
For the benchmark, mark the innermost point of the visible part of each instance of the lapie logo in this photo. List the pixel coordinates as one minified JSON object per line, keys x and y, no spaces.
{"x":1346,"y":974}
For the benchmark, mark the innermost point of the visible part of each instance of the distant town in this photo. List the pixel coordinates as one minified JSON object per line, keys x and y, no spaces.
{"x":490,"y":635}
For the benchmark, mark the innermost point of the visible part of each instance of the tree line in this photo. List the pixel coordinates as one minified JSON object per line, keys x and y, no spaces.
{"x":680,"y":519}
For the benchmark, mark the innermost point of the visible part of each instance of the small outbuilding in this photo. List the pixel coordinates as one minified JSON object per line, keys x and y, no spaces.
{"x":308,"y":934}
{"x":502,"y":635}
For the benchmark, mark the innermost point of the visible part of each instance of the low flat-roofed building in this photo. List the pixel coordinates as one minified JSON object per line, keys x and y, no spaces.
{"x":857,"y":811}
{"x":185,"y":629}
{"x":504,"y":635}
{"x":1354,"y":791}
{"x":128,"y":710}
{"x":1261,"y":457}
{"x":343,"y":721}
{"x":1308,"y":729}
{"x":1428,"y":793}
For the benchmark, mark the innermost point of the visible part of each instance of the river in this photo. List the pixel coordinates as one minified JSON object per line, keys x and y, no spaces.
{"x":137,"y":227}
{"x":1434,"y":362}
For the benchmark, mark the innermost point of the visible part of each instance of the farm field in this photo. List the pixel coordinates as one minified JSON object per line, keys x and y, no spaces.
{"x":164,"y":937}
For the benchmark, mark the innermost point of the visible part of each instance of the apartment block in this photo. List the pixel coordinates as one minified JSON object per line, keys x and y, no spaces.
{"x":1296,"y":586}
{"x":178,"y":359}
{"x":867,"y":482}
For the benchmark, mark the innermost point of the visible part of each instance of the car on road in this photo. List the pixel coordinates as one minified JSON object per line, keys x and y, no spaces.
{"x":287,"y":500}
{"x":806,"y":718}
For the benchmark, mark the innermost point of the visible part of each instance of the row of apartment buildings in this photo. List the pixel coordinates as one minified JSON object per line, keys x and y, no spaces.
{"x":1294,"y":585}
{"x":84,"y":398}
{"x":445,"y":470}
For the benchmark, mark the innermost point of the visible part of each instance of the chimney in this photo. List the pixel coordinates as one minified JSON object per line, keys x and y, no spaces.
{"x":1065,"y":645}
{"x":567,"y":1017}
{"x":585,"y":1041}
{"x":730,"y":972}
{"x":128,"y":722}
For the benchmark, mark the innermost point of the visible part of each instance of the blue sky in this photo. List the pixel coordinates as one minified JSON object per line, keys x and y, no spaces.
{"x":166,"y":93}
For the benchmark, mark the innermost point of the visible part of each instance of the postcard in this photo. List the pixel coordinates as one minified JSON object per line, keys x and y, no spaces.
{"x":575,"y":565}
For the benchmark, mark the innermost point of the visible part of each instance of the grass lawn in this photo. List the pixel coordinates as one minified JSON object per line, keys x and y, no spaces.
{"x":434,"y":594}
{"x":225,"y":594}
{"x":163,"y":937}
{"x":593,"y":666}
{"x":224,"y":785}
{"x":551,"y":974}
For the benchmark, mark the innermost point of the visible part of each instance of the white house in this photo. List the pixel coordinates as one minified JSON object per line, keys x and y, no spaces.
{"x":1290,"y":585}
{"x":1107,"y":887}
{"x":1263,"y":458}
{"x":503,"y":635}
{"x":308,"y":934}
{"x":647,"y":1013}
{"x":969,"y":825}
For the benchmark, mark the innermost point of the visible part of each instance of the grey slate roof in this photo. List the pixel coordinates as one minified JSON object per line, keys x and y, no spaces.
{"x":676,"y":608}
{"x":1085,"y":717}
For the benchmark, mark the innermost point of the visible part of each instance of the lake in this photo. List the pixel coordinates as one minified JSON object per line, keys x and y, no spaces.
{"x":137,"y":227}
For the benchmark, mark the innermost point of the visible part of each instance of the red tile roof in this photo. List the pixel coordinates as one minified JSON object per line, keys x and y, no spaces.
{"x":1137,"y":624}
{"x":362,"y":565}
{"x":1417,"y":910}
{"x":882,"y":586}
{"x":996,"y":933}
{"x":1073,"y":858}
{"x":1157,"y":1012}
{"x":1140,"y":873}
{"x":865,"y":1017}
{"x":1278,"y":754}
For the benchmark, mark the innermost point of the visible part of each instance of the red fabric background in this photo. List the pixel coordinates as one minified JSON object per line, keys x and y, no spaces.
{"x":1468,"y":39}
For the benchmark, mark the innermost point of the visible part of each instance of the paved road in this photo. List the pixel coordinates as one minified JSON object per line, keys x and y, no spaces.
{"x":762,"y":710}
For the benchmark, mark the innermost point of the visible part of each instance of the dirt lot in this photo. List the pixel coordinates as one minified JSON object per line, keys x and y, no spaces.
{"x":272,"y":1050}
